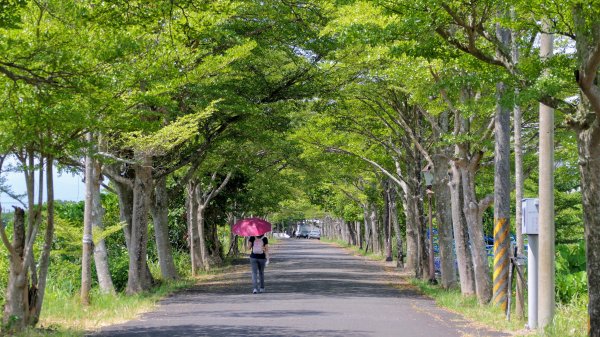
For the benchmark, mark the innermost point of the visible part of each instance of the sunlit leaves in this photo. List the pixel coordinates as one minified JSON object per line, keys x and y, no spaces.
{"x":170,"y":136}
{"x":10,"y":15}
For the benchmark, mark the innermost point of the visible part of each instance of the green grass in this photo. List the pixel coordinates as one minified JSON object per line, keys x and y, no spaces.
{"x":64,"y":315}
{"x":570,"y":319}
{"x":49,"y":332}
{"x":355,"y":249}
{"x":469,"y":307}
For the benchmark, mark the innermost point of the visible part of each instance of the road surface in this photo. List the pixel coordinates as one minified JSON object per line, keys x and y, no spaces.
{"x":312,"y":289}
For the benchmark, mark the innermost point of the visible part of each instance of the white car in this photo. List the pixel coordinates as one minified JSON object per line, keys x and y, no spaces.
{"x":314,"y":234}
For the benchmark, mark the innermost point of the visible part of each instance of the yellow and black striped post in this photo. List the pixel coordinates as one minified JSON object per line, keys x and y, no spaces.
{"x":501,"y":262}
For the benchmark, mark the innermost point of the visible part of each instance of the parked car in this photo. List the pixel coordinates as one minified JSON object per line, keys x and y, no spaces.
{"x":302,"y":234}
{"x":314,"y":234}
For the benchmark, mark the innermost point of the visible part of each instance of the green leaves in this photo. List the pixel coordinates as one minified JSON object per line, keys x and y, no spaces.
{"x":571,"y":277}
{"x":100,"y":234}
{"x":10,"y":14}
{"x":171,"y":136}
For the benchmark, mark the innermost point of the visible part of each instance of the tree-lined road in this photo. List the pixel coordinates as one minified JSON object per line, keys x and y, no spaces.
{"x":312,"y":289}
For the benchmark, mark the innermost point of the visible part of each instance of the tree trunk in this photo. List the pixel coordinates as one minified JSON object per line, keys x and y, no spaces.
{"x":34,"y":214}
{"x":359,"y":236}
{"x":367,"y":223}
{"x":344,"y":231}
{"x":160,"y":216}
{"x":465,"y":269}
{"x":414,"y":166}
{"x":215,"y":250}
{"x":100,"y":252}
{"x":588,"y":136}
{"x":588,"y":141}
{"x":139,"y":279}
{"x":204,"y":264}
{"x":374,"y":220}
{"x":473,"y":213}
{"x":233,"y":239}
{"x":396,"y":227}
{"x":352,"y":233}
{"x":44,"y":262}
{"x":387,"y":221}
{"x":86,"y":255}
{"x":443,"y":208}
{"x":519,"y":185}
{"x":349,"y":232}
{"x":204,"y":197}
{"x":589,"y":166}
{"x":412,"y":251}
{"x":422,"y":253}
{"x":192,"y":220}
{"x":467,"y":239}
{"x":16,"y":307}
{"x":126,"y":196}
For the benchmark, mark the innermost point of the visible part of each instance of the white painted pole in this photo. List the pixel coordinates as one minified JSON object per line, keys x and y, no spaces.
{"x":532,"y":280}
{"x":546,"y":295}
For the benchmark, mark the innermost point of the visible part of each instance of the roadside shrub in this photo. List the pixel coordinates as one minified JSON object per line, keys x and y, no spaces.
{"x":7,"y":219}
{"x":183,"y":263}
{"x":119,"y":267}
{"x":4,"y":265}
{"x":571,"y":277}
{"x":64,"y":277}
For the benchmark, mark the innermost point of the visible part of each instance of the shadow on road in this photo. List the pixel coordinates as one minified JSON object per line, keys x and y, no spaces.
{"x":313,"y":289}
{"x":228,"y":330}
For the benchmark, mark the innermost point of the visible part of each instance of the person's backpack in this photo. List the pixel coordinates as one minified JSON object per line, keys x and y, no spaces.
{"x":258,"y":246}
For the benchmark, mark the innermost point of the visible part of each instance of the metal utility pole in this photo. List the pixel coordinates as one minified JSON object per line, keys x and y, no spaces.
{"x":530,"y":213}
{"x":532,"y":281}
{"x":546,"y":297}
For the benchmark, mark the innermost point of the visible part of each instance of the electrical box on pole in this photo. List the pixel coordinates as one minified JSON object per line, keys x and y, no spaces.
{"x":530,"y":213}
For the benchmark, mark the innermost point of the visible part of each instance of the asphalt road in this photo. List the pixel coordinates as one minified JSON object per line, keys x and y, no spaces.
{"x":312,"y":289}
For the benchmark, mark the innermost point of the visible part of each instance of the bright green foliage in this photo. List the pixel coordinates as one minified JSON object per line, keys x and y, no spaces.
{"x":10,"y":13}
{"x":4,"y":267}
{"x":296,"y":99}
{"x":182,"y":130}
{"x":571,"y":277}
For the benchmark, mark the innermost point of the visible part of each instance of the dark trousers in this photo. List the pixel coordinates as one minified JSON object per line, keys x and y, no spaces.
{"x":258,"y":272}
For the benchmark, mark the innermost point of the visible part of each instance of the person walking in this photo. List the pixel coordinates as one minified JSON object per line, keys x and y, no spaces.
{"x":259,"y":258}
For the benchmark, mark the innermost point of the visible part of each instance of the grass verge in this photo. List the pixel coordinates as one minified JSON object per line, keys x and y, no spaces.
{"x":63,"y":314}
{"x":355,"y":250}
{"x":569,"y":320}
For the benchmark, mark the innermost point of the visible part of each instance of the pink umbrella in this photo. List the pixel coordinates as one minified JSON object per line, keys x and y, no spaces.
{"x":251,"y":227}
